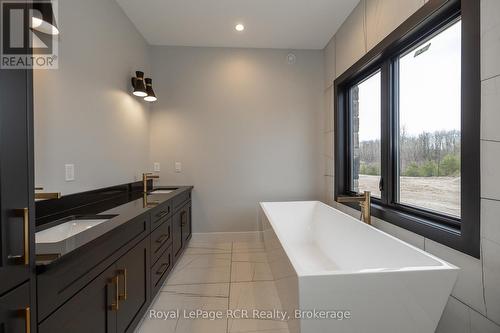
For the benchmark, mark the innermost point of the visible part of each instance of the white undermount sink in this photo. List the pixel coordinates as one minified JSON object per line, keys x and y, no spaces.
{"x":162,"y":191}
{"x":66,"y":230}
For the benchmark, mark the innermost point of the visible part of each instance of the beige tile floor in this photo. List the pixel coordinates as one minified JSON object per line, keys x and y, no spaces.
{"x":217,"y":277}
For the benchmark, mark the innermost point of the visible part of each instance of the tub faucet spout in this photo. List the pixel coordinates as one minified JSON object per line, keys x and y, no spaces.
{"x":365,"y":203}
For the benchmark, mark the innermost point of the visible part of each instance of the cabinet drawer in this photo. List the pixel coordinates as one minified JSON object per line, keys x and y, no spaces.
{"x":161,"y":238}
{"x":160,"y":213}
{"x":160,"y":270}
{"x":180,"y":199}
{"x":15,"y":311}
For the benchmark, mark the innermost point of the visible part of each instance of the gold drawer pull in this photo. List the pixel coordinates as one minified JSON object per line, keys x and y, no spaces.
{"x":116,"y":305}
{"x":25,"y":257}
{"x":163,"y":213}
{"x":162,"y":238}
{"x":160,"y":270}
{"x":183,"y":218}
{"x":123,"y":272}
{"x":26,"y":223}
{"x":27,"y":318}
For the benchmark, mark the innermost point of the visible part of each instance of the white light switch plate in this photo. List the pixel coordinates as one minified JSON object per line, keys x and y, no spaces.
{"x":156,"y":166}
{"x":178,"y":167}
{"x":69,"y":172}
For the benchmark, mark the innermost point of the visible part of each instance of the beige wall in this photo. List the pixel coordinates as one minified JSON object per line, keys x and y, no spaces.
{"x":474,"y":306}
{"x":84,"y":111}
{"x":243,"y":123}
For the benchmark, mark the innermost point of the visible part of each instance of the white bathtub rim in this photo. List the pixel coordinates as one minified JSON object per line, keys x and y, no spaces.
{"x":443,"y":264}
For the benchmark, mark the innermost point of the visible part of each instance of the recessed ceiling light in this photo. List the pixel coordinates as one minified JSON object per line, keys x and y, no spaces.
{"x":239,"y":27}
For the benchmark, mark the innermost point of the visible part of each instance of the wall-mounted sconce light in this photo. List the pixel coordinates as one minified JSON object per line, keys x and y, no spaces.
{"x":138,"y":84}
{"x":151,"y":97}
{"x":43,"y":18}
{"x":143,"y":87}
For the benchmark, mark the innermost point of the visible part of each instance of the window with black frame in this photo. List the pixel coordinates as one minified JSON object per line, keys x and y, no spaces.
{"x":407,"y":128}
{"x":429,"y":117}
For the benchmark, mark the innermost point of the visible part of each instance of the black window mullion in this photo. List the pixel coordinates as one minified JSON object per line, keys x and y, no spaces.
{"x":348,"y":142}
{"x":394,"y":115}
{"x":385,"y":138}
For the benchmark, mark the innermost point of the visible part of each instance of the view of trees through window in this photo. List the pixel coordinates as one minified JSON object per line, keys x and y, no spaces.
{"x":430,"y":123}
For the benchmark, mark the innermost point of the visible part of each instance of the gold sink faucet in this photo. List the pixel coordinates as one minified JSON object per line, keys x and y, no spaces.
{"x":145,"y":177}
{"x":46,"y":195}
{"x":146,"y":203}
{"x":365,"y":202}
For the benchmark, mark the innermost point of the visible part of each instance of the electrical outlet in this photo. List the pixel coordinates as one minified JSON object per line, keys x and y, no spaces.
{"x":69,"y":172}
{"x":178,"y":167}
{"x":157,"y":167}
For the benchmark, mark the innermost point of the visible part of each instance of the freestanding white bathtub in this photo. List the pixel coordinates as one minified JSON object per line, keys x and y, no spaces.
{"x":325,"y":260}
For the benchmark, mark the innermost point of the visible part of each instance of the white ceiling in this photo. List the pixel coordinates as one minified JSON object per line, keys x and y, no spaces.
{"x":286,"y":24}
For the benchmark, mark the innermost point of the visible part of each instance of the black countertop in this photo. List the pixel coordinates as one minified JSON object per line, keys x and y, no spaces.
{"x":134,"y":205}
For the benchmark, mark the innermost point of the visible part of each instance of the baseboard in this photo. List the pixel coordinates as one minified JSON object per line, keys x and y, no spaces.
{"x":245,"y":236}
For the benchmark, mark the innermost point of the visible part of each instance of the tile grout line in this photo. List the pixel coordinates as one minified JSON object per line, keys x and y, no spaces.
{"x":469,"y":309}
{"x":490,"y":140}
{"x":491,"y":77}
{"x":482,"y":278}
{"x":230,"y":283}
{"x":490,"y":199}
{"x":195,"y":283}
{"x":489,"y":240}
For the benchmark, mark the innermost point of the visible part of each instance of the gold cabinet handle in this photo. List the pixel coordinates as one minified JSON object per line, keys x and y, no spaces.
{"x":162,"y":269}
{"x":25,"y":257}
{"x":162,"y":238}
{"x":123,"y":272}
{"x":183,"y":218}
{"x":26,"y":232}
{"x":163,"y":213}
{"x":115,"y":306}
{"x":27,"y":318}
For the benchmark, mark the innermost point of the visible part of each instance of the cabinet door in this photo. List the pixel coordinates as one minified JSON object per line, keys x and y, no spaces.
{"x":92,"y":309}
{"x":15,"y":311}
{"x":133,"y":270}
{"x":177,"y":241}
{"x":160,"y":270}
{"x":15,"y":178}
{"x":186,"y":223}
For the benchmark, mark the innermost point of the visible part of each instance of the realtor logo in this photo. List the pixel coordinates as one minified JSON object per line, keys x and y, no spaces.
{"x":29,"y":36}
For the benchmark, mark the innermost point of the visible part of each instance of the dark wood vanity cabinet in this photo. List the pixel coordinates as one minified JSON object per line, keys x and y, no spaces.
{"x":110,"y":286}
{"x":113,"y":302}
{"x":17,"y":282}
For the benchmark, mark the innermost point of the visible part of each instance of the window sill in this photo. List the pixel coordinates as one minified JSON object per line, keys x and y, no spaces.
{"x":427,"y":227}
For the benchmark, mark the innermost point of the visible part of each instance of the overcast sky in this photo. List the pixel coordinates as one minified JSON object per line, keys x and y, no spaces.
{"x":429,"y":89}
